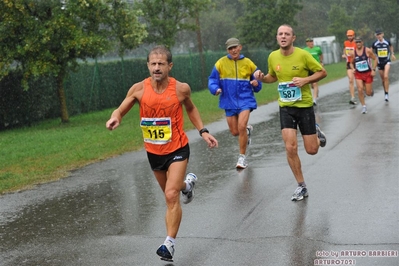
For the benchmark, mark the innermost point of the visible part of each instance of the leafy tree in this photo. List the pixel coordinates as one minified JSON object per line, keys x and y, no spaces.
{"x":382,"y":14}
{"x":340,"y":22}
{"x":165,"y":18}
{"x":258,"y":25}
{"x":219,"y":24}
{"x":50,"y":37}
{"x":234,"y":6}
{"x":195,"y":11}
{"x":312,"y":20}
{"x":127,"y":33}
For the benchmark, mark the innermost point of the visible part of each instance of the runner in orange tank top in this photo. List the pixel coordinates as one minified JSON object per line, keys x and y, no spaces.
{"x":161,"y":113}
{"x":349,"y":48}
{"x":162,"y":119}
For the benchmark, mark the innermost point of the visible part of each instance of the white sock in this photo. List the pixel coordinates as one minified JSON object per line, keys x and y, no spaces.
{"x":170,"y":239}
{"x":188,"y":187}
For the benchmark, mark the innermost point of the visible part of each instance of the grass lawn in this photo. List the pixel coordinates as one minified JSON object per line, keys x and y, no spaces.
{"x":48,"y":150}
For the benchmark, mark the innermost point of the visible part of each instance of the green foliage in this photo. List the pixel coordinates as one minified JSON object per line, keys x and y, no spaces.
{"x":317,"y":18}
{"x":96,"y":86}
{"x":165,"y":18}
{"x":258,"y":25}
{"x":128,"y":32}
{"x":340,"y":22}
{"x":312,"y":20}
{"x":19,"y":107}
{"x":382,"y":14}
{"x":49,"y":37}
{"x":48,"y":150}
{"x":219,"y":24}
{"x":364,"y":17}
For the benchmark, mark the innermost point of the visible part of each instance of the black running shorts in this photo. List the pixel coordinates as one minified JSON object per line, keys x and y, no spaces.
{"x":162,"y":162}
{"x":294,"y":117}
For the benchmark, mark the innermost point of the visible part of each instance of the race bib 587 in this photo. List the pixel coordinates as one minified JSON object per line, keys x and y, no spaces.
{"x":289,"y":92}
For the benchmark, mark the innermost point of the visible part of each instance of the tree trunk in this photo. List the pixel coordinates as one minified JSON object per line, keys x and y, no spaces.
{"x":204,"y":80}
{"x":62,"y":99}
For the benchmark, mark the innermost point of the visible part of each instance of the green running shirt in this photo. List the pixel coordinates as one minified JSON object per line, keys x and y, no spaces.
{"x":285,"y":68}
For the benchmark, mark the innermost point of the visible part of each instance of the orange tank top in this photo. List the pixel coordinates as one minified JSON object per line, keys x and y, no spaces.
{"x":350,"y":47}
{"x":162,"y":119}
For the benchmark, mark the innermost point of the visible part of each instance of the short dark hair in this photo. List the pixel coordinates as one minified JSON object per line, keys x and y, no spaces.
{"x":160,"y":49}
{"x":289,"y":26}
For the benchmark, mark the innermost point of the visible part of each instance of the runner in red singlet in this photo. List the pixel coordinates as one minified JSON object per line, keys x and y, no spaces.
{"x":363,"y":70}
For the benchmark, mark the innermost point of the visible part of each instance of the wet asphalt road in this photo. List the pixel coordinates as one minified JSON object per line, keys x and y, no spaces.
{"x":112,"y":212}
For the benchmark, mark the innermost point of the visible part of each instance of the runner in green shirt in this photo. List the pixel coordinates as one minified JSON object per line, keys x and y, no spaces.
{"x":316,"y":52}
{"x":290,"y":66}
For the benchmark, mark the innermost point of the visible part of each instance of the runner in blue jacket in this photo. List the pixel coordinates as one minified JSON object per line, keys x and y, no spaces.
{"x":232,"y":78}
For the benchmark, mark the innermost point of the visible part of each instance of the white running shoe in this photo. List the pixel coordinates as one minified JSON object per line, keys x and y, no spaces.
{"x":249,"y":132}
{"x":299,"y":194}
{"x":364,"y":110}
{"x":166,"y":251}
{"x":321,"y":136}
{"x":189,"y":196}
{"x":352,"y":101}
{"x":241,"y":163}
{"x":386,"y":97}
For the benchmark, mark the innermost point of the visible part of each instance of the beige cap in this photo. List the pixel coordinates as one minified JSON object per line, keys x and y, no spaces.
{"x":232,"y":42}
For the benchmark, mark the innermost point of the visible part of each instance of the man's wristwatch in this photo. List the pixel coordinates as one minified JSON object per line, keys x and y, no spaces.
{"x":203,"y":131}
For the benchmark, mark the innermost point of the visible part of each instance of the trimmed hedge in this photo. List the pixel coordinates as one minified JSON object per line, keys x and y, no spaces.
{"x":97,"y":86}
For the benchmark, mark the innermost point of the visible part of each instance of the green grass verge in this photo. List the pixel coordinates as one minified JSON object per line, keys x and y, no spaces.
{"x":48,"y":150}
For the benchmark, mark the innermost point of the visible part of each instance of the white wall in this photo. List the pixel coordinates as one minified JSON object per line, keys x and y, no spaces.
{"x":330,"y":48}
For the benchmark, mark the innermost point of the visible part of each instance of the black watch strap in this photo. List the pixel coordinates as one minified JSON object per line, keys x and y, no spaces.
{"x":203,"y":131}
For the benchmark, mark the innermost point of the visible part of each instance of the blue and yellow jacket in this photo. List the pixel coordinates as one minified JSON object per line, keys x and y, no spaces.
{"x":233,"y":77}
